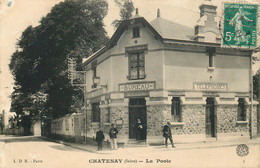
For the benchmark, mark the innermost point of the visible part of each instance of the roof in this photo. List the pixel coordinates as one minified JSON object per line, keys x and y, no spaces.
{"x":171,"y":30}
{"x":164,"y":30}
{"x":119,"y":31}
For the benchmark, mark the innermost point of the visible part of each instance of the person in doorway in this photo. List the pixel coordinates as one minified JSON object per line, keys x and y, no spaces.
{"x":139,"y":130}
{"x":99,"y":138}
{"x":167,"y":134}
{"x":113,"y":136}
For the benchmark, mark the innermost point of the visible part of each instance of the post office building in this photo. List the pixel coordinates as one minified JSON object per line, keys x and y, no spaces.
{"x":163,"y":71}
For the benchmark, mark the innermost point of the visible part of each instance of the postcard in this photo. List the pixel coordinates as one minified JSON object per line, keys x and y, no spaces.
{"x":129,"y":83}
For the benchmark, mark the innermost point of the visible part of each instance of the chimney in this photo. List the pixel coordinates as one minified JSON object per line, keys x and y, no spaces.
{"x":206,"y":29}
{"x":158,"y":13}
{"x":136,"y":14}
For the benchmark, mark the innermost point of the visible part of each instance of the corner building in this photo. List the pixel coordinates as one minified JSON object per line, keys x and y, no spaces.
{"x":164,"y":71}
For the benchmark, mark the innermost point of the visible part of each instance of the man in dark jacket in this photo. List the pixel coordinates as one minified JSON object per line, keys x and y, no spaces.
{"x":113,"y":135}
{"x":99,"y":138}
{"x":167,"y":134}
{"x":139,"y":127}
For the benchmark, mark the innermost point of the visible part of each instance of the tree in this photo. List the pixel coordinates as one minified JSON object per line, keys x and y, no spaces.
{"x":256,"y":84}
{"x":73,"y":29}
{"x":126,"y":10}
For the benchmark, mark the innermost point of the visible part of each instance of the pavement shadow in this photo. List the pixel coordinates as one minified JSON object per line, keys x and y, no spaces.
{"x":63,"y":147}
{"x":12,"y":139}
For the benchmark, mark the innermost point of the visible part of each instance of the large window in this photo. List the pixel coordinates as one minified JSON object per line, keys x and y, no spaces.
{"x":176,"y":109}
{"x":95,"y":112}
{"x":241,"y":110}
{"x":136,"y":66}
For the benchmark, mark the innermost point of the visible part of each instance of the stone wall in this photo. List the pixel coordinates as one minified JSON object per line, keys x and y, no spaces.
{"x":104,"y":115}
{"x":254,"y":128}
{"x":227,"y":120}
{"x":193,"y":118}
{"x":90,"y":127}
{"x":157,"y":116}
{"x":120,"y":113}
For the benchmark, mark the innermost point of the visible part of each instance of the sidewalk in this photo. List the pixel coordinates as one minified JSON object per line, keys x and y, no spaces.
{"x":186,"y":146}
{"x":86,"y":147}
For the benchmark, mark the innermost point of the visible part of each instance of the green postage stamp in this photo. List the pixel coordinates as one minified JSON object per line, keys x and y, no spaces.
{"x":240,"y":26}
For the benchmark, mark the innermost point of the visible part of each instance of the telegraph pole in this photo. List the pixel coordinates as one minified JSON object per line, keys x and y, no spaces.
{"x":78,"y":79}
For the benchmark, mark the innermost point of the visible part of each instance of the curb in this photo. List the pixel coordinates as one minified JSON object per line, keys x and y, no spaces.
{"x":70,"y":145}
{"x":177,"y":148}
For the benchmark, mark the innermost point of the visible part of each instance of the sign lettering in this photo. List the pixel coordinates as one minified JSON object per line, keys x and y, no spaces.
{"x":210,"y":86}
{"x":137,"y":86}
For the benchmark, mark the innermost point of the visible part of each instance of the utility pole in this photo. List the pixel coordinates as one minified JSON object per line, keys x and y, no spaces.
{"x":78,"y":79}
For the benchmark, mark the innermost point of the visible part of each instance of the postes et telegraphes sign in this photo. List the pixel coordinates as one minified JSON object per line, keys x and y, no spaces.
{"x":240,"y":25}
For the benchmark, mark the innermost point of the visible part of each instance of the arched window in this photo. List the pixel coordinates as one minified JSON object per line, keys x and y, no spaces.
{"x":176,"y":109}
{"x":241,"y":110}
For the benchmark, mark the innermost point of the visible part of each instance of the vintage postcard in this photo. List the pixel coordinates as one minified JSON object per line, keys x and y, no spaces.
{"x":129,"y":83}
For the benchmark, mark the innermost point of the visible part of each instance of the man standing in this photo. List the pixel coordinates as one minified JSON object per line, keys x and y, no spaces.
{"x":167,"y":134}
{"x":113,"y":135}
{"x":99,"y":138}
{"x":139,"y":130}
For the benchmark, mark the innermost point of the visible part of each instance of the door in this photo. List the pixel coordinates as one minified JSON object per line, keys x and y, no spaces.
{"x":210,"y":118}
{"x":137,"y":109}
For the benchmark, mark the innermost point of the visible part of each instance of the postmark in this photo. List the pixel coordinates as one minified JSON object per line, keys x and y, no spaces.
{"x":240,"y":25}
{"x":242,"y":150}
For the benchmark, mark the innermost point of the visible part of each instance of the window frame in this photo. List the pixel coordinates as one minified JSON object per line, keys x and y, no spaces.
{"x":138,"y":53}
{"x":136,"y":32}
{"x":211,"y":60}
{"x":176,"y":109}
{"x":96,"y":115}
{"x":241,"y":110}
{"x":211,"y":53}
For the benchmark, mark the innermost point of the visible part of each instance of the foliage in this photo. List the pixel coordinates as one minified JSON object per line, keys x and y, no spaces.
{"x":256,"y":84}
{"x":126,"y":10}
{"x":72,"y":29}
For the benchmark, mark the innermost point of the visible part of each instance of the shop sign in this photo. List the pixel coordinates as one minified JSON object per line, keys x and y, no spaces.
{"x":137,"y":86}
{"x":210,"y":86}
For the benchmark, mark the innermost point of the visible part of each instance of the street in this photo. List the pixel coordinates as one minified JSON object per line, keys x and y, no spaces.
{"x":34,"y":152}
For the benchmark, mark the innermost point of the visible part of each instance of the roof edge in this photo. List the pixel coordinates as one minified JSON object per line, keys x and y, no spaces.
{"x":119,"y":31}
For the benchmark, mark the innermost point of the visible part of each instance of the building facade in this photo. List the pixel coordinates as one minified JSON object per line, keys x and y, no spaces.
{"x":164,"y":71}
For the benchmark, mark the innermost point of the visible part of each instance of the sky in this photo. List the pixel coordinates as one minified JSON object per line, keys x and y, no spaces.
{"x":22,"y":13}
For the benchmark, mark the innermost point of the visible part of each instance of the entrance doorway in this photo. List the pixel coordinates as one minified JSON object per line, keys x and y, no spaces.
{"x":210,"y":118}
{"x":137,"y":110}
